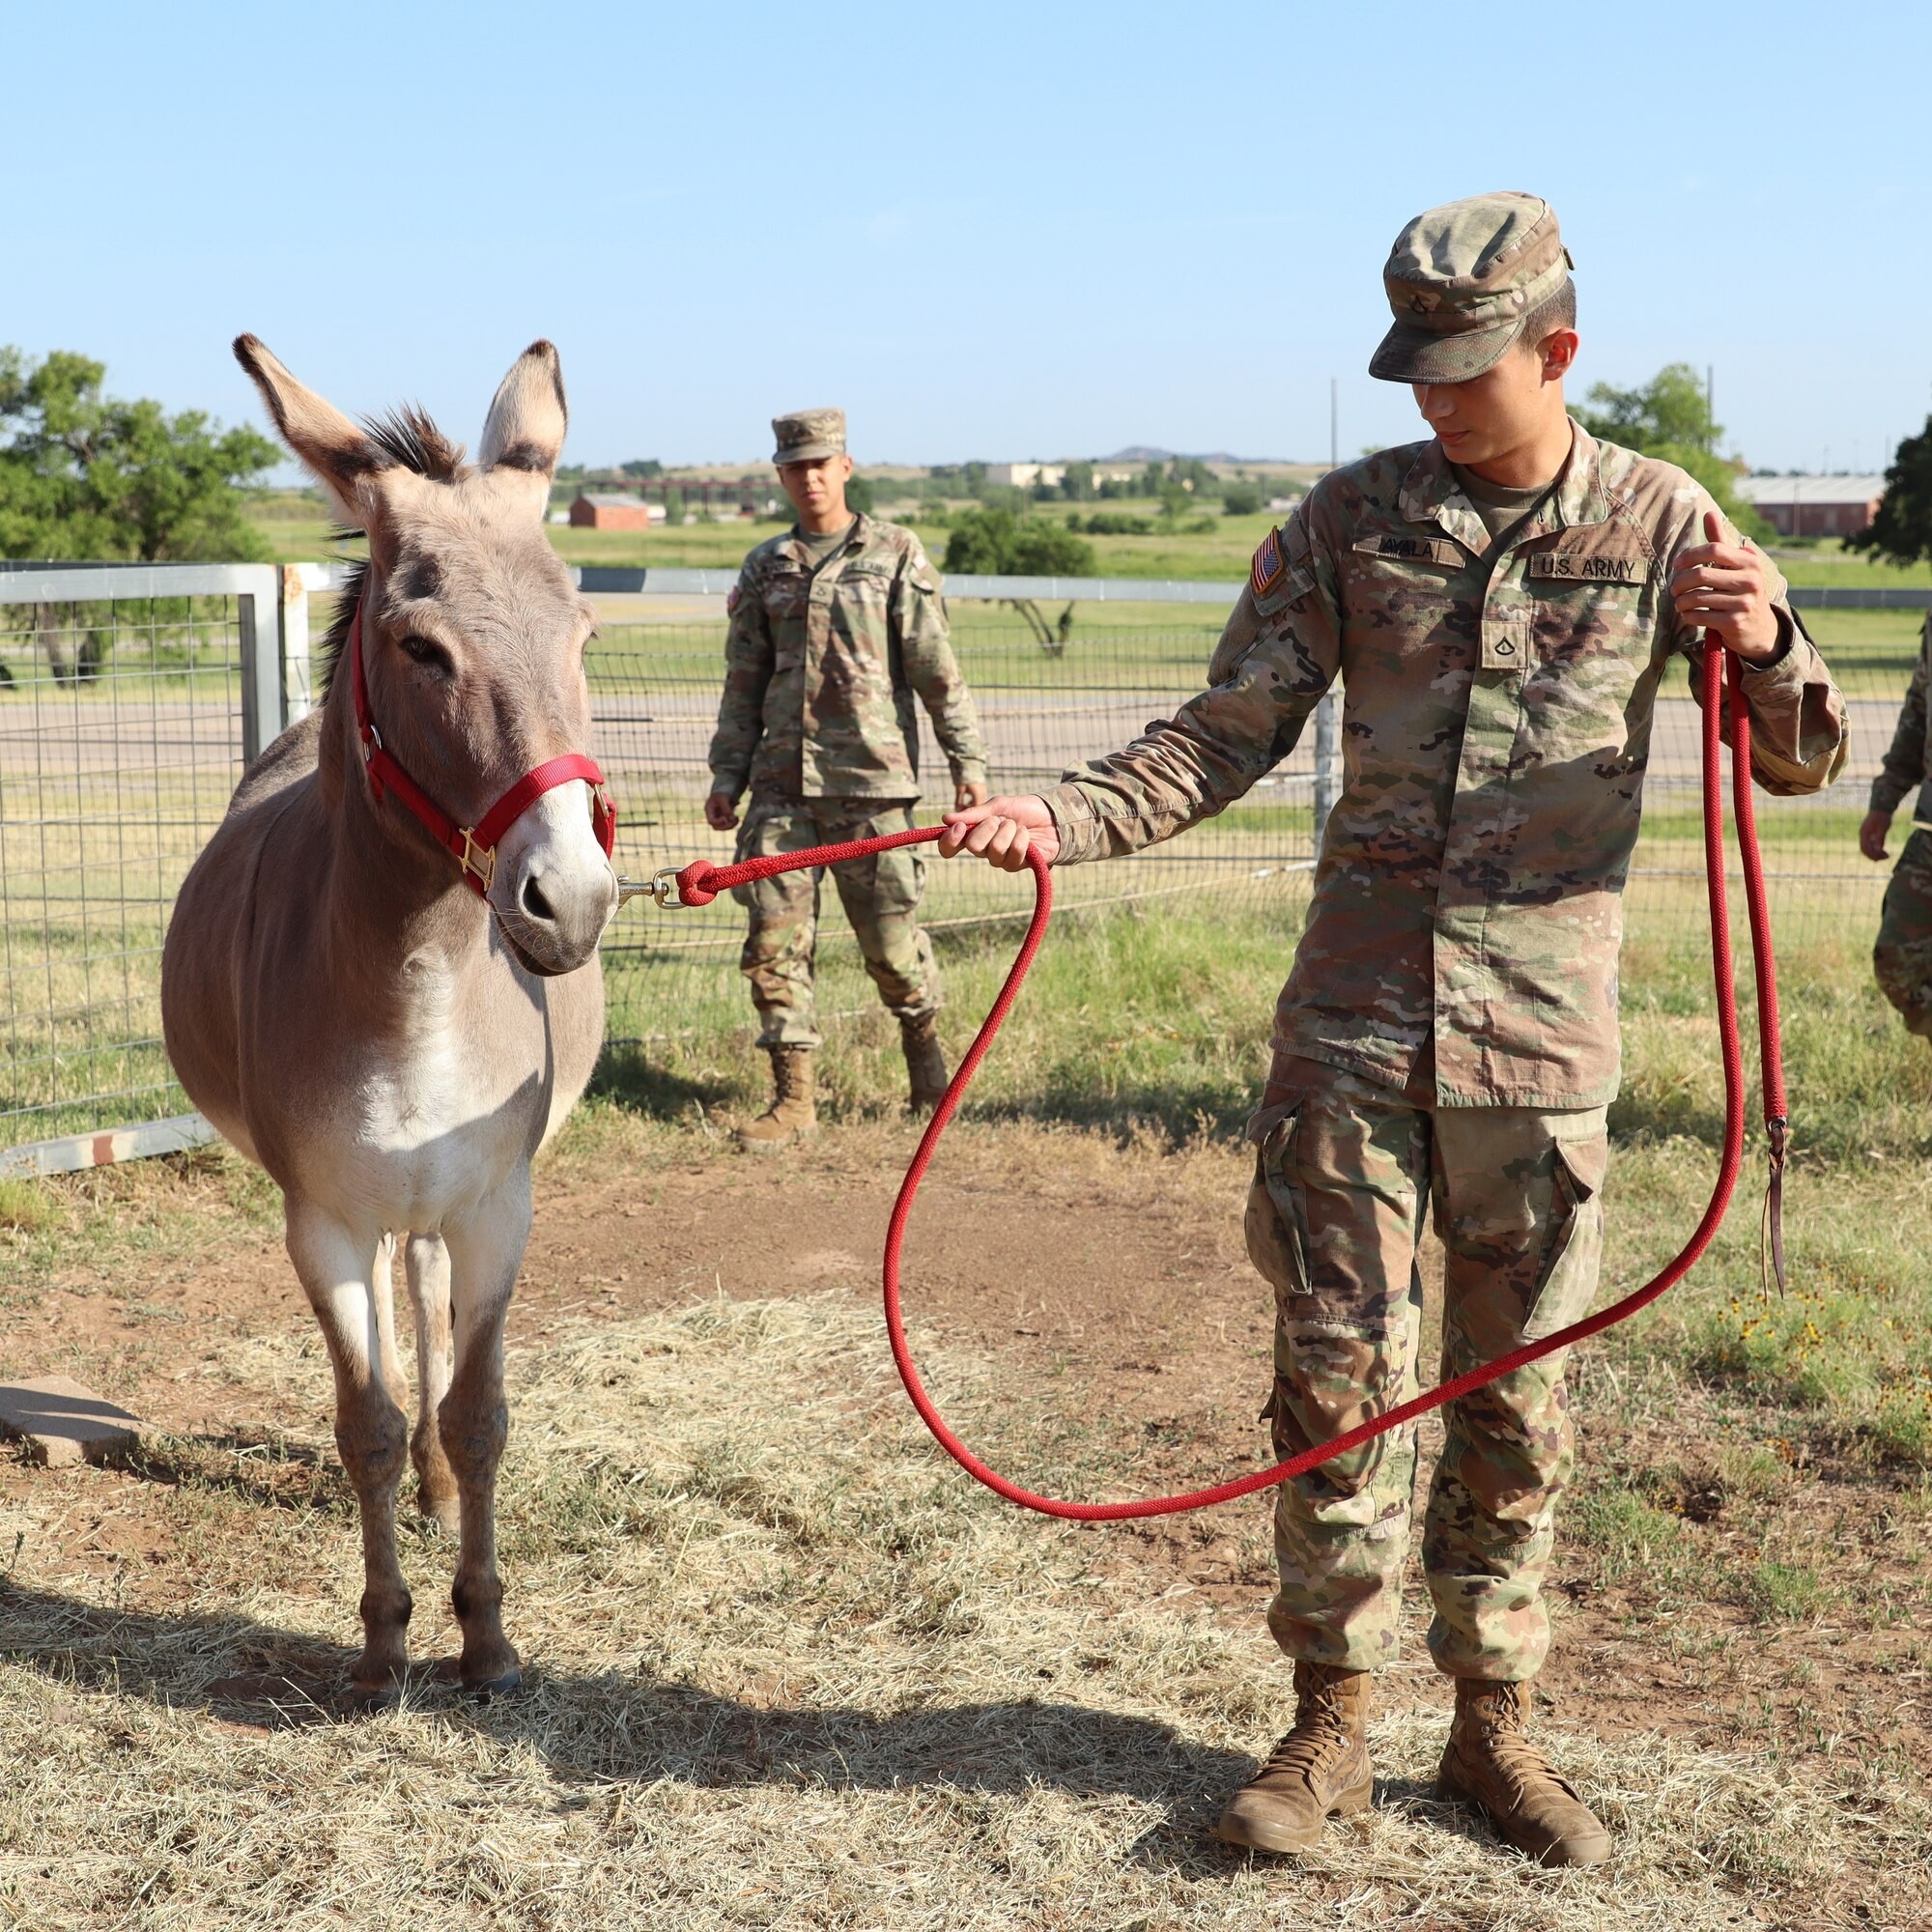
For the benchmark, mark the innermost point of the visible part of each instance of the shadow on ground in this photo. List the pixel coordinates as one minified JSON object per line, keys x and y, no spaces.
{"x":614,"y":1727}
{"x":626,"y":1076}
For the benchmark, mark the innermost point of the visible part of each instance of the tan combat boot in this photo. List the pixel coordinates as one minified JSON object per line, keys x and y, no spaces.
{"x":1491,"y":1765}
{"x":792,"y":1114}
{"x":1318,"y":1771}
{"x":925,"y":1062}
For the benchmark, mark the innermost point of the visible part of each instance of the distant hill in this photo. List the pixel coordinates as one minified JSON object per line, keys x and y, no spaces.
{"x":1146,"y":452}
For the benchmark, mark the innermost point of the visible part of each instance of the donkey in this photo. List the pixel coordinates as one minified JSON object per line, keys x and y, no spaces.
{"x":390,"y":1031}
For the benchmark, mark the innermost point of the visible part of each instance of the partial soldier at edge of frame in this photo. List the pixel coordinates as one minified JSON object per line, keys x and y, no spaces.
{"x":1902,"y":954}
{"x":836,"y":628}
{"x":1500,"y":603}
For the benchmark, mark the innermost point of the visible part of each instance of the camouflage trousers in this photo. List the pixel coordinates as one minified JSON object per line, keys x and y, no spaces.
{"x":1902,"y":958}
{"x":880,"y":896}
{"x":1344,"y":1172}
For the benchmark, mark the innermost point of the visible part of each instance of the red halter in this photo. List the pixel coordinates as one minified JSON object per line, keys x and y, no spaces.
{"x":474,"y":847}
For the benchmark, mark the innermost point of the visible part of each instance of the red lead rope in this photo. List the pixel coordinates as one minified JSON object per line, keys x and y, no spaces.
{"x":701,"y":882}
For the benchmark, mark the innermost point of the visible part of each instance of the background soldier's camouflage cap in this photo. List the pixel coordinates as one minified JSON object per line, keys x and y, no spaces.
{"x":805,"y":434}
{"x":1460,"y":279}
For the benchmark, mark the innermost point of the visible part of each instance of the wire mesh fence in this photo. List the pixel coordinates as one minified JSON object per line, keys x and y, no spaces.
{"x":1042,"y":707}
{"x":120,"y":741}
{"x":125,"y":722}
{"x":1824,"y":897}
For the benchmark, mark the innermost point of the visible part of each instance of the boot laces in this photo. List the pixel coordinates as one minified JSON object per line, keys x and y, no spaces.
{"x":1499,"y":1726}
{"x":1320,"y":1733}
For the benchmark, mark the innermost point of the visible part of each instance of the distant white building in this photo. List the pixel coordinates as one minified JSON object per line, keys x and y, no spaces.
{"x":1813,"y":506}
{"x":1024,"y":475}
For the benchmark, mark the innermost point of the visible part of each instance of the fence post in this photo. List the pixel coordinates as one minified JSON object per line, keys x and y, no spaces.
{"x":294,"y":608}
{"x":1327,"y":762}
{"x":258,"y":625}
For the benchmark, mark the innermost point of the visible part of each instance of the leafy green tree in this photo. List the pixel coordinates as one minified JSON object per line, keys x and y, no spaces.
{"x":84,"y":474}
{"x":995,"y":542}
{"x":1670,"y":418}
{"x":1671,"y":408}
{"x":860,"y":495}
{"x":1902,"y":530}
{"x":1240,"y":499}
{"x":1077,"y":485}
{"x":641,"y":470}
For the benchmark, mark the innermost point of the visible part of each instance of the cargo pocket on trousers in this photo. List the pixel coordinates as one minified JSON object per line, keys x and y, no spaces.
{"x":1276,"y":1223}
{"x":1576,"y":1245}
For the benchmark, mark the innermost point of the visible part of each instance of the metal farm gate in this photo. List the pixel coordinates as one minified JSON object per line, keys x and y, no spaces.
{"x":132,"y":699}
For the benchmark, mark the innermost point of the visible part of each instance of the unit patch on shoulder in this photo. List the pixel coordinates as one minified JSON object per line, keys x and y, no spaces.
{"x":1265,"y":572}
{"x":731,"y":597}
{"x":1415,"y":550}
{"x":1576,"y":566}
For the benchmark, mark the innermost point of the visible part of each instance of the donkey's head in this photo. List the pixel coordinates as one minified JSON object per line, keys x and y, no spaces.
{"x":472,"y":637}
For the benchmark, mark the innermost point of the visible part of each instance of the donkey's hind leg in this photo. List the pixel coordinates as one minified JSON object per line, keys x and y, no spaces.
{"x":484,"y":1253}
{"x":339,"y":1270}
{"x":428,"y":1262}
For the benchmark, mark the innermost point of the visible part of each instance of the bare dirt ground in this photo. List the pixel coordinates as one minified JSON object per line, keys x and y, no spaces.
{"x":1108,"y":1288}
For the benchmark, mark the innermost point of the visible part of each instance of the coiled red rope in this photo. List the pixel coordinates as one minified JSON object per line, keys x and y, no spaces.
{"x":701,"y":882}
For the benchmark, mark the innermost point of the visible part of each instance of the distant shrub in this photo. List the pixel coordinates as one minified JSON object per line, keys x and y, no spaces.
{"x":995,"y":542}
{"x":1111,"y":524}
{"x":1240,"y":499}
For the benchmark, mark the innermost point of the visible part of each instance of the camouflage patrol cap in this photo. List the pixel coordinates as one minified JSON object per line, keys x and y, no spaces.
{"x":1460,"y":278}
{"x":805,"y":434}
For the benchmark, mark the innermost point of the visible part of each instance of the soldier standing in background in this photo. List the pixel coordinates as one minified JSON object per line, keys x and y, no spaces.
{"x":1902,"y":958}
{"x":835,"y":628}
{"x":1500,"y":603}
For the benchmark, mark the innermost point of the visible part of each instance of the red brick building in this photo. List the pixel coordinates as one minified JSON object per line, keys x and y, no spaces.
{"x":1813,"y":506}
{"x":613,"y":513}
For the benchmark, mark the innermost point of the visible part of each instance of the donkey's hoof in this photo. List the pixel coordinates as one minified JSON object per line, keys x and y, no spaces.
{"x":498,"y":1674}
{"x":366,"y":1700}
{"x":443,"y":1513}
{"x":504,"y":1684}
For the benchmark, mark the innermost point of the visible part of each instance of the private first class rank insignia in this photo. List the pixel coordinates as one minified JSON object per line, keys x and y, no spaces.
{"x":1266,"y":569}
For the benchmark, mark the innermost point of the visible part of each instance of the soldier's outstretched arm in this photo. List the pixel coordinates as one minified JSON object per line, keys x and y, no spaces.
{"x":1721,"y":584}
{"x":748,"y":670}
{"x":925,"y":650}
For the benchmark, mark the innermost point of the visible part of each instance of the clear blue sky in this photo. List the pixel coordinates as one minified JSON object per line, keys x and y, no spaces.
{"x":994,"y":230}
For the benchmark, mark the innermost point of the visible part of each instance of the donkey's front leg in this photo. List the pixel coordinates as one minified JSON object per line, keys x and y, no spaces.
{"x":337,"y":1265}
{"x":429,"y":1290}
{"x":484,"y":1253}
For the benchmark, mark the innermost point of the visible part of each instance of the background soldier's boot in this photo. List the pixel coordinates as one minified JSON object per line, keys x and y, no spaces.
{"x":925,"y":1062}
{"x":1318,"y":1771}
{"x":792,"y":1112}
{"x":1491,"y":1765}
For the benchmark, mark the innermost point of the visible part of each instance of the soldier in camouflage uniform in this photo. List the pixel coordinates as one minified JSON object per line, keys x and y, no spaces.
{"x":835,"y":627}
{"x":1902,"y":958}
{"x":1500,"y":604}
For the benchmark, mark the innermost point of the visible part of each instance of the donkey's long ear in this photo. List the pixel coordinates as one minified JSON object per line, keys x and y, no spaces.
{"x":342,"y":456}
{"x":524,"y":436}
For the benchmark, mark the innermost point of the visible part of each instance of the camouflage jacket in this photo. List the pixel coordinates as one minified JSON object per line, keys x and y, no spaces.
{"x":1495,"y":729}
{"x":821,"y":667}
{"x":1909,"y":763}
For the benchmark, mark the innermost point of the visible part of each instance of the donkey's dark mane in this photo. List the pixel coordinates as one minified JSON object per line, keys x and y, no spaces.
{"x":406,"y":435}
{"x":337,"y":641}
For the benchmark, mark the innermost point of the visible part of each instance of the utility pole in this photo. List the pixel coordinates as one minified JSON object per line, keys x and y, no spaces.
{"x":1334,"y":425}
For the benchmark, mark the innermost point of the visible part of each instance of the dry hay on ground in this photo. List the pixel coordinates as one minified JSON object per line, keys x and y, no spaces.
{"x":789,"y":1668}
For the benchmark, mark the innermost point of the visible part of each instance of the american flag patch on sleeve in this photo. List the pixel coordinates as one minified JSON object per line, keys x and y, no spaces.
{"x":1266,"y":571}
